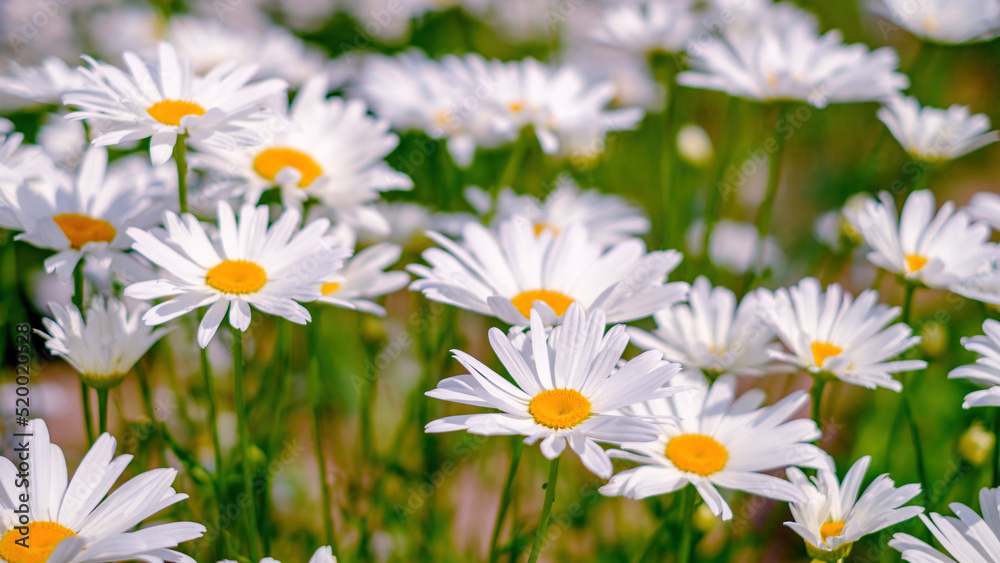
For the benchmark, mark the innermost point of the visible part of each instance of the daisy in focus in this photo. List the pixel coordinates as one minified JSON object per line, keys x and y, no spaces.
{"x":322,"y":555}
{"x":104,"y":347}
{"x":970,"y":538}
{"x":710,"y":335}
{"x":986,"y":370}
{"x":508,"y":272}
{"x":832,"y":517}
{"x":566,"y":388}
{"x":272,"y":268}
{"x":943,"y":21}
{"x":832,"y":334}
{"x":363,"y":276}
{"x":718,"y":441}
{"x":169,"y":101}
{"x":936,"y":135}
{"x":935,"y":250}
{"x":68,"y":520}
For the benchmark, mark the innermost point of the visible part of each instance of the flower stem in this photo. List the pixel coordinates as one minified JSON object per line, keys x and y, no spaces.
{"x":689,"y":498}
{"x":515,"y":459}
{"x":88,"y":421}
{"x":517,"y":154}
{"x":102,"y":410}
{"x":907,"y":393}
{"x":819,"y":383}
{"x":244,"y":442}
{"x":213,"y":424}
{"x":315,"y":393}
{"x":543,"y":523}
{"x":78,"y":302}
{"x":180,"y":158}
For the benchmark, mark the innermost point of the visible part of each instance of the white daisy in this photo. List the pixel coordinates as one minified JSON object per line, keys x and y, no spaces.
{"x":566,"y":388}
{"x":67,"y":521}
{"x":832,"y":517}
{"x":645,"y":26}
{"x":783,"y":57}
{"x":170,"y":100}
{"x":984,"y":206}
{"x":510,"y":271}
{"x":986,"y":370}
{"x":322,"y":555}
{"x":44,"y":83}
{"x":364,"y":276}
{"x":331,"y":151}
{"x":272,"y":269}
{"x":966,"y":539}
{"x":933,"y":250}
{"x":943,"y":21}
{"x":711,"y":335}
{"x":719,"y":441}
{"x":832,"y":334}
{"x":103,"y":348}
{"x":86,"y":215}
{"x":983,"y":285}
{"x":936,"y":135}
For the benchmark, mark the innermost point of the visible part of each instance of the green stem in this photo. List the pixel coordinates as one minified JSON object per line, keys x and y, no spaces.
{"x":213,"y":417}
{"x":147,"y":403}
{"x":669,"y":190}
{"x":819,"y":383}
{"x":655,"y":541}
{"x":244,"y":439}
{"x":517,"y":155}
{"x":79,"y":303}
{"x":180,"y":158}
{"x":505,"y":496}
{"x":102,"y":410}
{"x":78,"y":288}
{"x":315,"y":392}
{"x":910,"y":291}
{"x":543,"y":523}
{"x":907,"y":393}
{"x":87,"y":418}
{"x":689,"y":498}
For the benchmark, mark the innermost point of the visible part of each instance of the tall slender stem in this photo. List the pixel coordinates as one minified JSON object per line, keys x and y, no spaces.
{"x":102,"y":410}
{"x":315,"y":393}
{"x":907,"y":393}
{"x":543,"y":523}
{"x":213,"y":418}
{"x":819,"y":383}
{"x":147,"y":402}
{"x":244,"y":440}
{"x":180,"y":158}
{"x":515,"y":459}
{"x":87,"y":417}
{"x":689,"y":498}
{"x":79,"y":302}
{"x":517,"y":154}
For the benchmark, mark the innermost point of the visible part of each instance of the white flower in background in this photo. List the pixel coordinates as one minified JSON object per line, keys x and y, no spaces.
{"x":126,"y":27}
{"x":507,"y":272}
{"x":170,"y":100}
{"x":935,"y":250}
{"x":103,"y":348}
{"x":967,"y":539}
{"x":19,"y":163}
{"x":783,"y":57}
{"x":64,"y":141}
{"x":718,"y":441}
{"x":732,"y":246}
{"x":69,"y":521}
{"x":44,"y":83}
{"x":322,"y":555}
{"x":832,"y":334}
{"x":86,"y":215}
{"x":632,"y":77}
{"x":936,"y":135}
{"x":273,"y":269}
{"x":331,"y":150}
{"x":364,"y":276}
{"x":984,"y":206}
{"x":832,"y":517}
{"x":986,"y":370}
{"x":694,"y":145}
{"x":943,"y":21}
{"x":711,"y":335}
{"x":837,"y":228}
{"x":642,"y":27}
{"x":566,"y":388}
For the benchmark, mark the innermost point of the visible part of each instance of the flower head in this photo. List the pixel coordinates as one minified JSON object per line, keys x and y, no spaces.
{"x":364,"y":276}
{"x":943,"y":21}
{"x":932,"y":134}
{"x":986,"y":370}
{"x":967,"y":539}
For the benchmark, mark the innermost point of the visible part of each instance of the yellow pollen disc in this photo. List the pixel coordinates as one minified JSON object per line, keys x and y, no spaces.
{"x":559,"y":408}
{"x":80,"y":229}
{"x":236,"y":276}
{"x":170,"y":112}
{"x":697,"y":453}
{"x":42,"y":539}
{"x":823,"y":350}
{"x":830,"y":530}
{"x":329,"y":288}
{"x":914,"y":262}
{"x":268,"y":163}
{"x":559,"y":302}
{"x":515,"y":107}
{"x":542,"y":227}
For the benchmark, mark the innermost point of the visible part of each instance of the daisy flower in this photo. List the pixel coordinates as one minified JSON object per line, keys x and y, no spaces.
{"x":711,"y":335}
{"x":718,"y":441}
{"x":934,"y":250}
{"x":984,"y":206}
{"x":510,"y":271}
{"x":322,"y":555}
{"x":646,"y":26}
{"x":332,"y":151}
{"x":967,"y":539}
{"x":86,"y":215}
{"x":44,"y":83}
{"x":170,"y":100}
{"x":68,"y":522}
{"x":273,"y":269}
{"x":783,"y":57}
{"x":364,"y":276}
{"x":832,"y":517}
{"x":103,"y":348}
{"x":936,"y":135}
{"x":986,"y":370}
{"x":943,"y":21}
{"x":832,"y":334}
{"x":566,"y":388}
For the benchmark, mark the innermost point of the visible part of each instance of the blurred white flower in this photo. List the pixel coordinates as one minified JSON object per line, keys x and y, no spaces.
{"x":943,"y":21}
{"x":364,"y":275}
{"x":642,"y":27}
{"x":65,"y":141}
{"x":986,"y":370}
{"x":968,"y":538}
{"x":985,"y":206}
{"x":936,"y":135}
{"x":732,"y":245}
{"x":694,"y":145}
{"x":837,"y":228}
{"x":44,"y":83}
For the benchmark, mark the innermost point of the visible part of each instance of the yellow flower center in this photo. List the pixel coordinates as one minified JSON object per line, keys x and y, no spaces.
{"x":559,"y":408}
{"x":80,"y":229}
{"x":823,"y":350}
{"x":542,"y":227}
{"x":697,"y":453}
{"x":170,"y":112}
{"x":515,"y":107}
{"x":236,"y":276}
{"x":830,"y":530}
{"x":36,"y":546}
{"x":329,"y":288}
{"x":268,"y":163}
{"x":914,"y":262}
{"x":559,"y":302}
